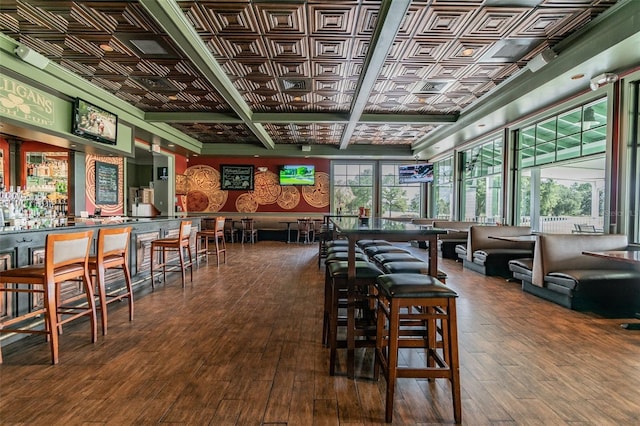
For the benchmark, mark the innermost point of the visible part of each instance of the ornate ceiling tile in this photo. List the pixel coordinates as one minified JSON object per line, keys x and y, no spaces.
{"x":281,"y":18}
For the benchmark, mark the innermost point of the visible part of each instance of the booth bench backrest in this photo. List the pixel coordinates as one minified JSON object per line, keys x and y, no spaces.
{"x":554,"y":252}
{"x":478,"y":238}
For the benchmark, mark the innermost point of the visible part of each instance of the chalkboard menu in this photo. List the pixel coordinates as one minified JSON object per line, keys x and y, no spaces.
{"x":236,"y":177}
{"x":106,"y":183}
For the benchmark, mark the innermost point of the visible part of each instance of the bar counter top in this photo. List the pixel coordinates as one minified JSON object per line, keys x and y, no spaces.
{"x":94,"y":222}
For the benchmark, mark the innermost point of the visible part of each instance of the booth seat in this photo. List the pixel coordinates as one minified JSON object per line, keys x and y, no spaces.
{"x":562,"y":274}
{"x":490,"y":256}
{"x":271,"y":226}
{"x":457,"y":235}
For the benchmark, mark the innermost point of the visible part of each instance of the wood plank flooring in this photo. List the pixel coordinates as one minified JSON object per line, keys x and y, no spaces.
{"x":241,"y":346}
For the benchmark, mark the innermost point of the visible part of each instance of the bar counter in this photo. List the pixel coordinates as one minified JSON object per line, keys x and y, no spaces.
{"x":26,"y":247}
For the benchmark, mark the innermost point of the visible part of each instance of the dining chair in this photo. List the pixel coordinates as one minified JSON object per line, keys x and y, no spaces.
{"x":305,"y":230}
{"x":249,"y":233}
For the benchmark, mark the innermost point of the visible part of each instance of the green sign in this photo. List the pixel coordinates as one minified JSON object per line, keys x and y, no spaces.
{"x":25,"y":103}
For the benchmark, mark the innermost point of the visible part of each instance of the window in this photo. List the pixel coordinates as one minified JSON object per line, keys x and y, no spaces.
{"x":561,"y":168}
{"x":352,"y":187}
{"x":443,"y":189}
{"x":482,"y":182}
{"x":398,"y":200}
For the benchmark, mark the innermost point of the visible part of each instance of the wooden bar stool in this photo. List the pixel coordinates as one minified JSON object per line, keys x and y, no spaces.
{"x":413,"y":309}
{"x":65,"y":259}
{"x":359,"y":321}
{"x":217,"y":234}
{"x":112,"y":252}
{"x":177,"y":244}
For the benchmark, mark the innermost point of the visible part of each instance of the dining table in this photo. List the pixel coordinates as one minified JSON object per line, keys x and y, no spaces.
{"x":627,"y":256}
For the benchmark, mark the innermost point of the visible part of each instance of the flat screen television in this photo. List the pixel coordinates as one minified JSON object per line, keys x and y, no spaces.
{"x":92,"y":122}
{"x":297,"y":175}
{"x":415,"y":173}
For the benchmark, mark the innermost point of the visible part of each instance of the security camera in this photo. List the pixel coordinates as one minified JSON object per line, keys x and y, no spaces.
{"x":601,"y":79}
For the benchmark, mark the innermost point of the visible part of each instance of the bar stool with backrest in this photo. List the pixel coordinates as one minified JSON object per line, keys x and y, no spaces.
{"x":249,"y":233}
{"x":112,"y":252}
{"x":65,"y":259}
{"x":169,"y":245}
{"x":413,"y":310}
{"x":216,"y":234}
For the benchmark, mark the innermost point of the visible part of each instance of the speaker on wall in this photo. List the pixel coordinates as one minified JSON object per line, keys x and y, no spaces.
{"x":32,"y":57}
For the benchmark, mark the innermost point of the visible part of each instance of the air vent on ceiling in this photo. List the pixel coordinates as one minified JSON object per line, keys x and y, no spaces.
{"x":295,"y":84}
{"x":155,"y":84}
{"x":148,"y":45}
{"x":508,"y":50}
{"x":432,"y":86}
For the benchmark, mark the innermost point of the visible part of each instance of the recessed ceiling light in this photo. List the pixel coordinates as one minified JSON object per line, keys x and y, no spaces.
{"x":577,"y":76}
{"x":256,"y":156}
{"x":73,"y":145}
{"x":468,"y":51}
{"x":195,"y":155}
{"x":171,"y":145}
{"x":297,"y":98}
{"x":173,"y":98}
{"x":106,"y":48}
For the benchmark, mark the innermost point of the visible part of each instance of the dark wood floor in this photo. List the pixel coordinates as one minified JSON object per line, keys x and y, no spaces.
{"x":241,"y":346}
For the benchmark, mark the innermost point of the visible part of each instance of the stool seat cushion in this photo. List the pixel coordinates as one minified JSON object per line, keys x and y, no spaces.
{"x":367,"y":243}
{"x":37,"y":271}
{"x":412,"y":286}
{"x":334,"y":243}
{"x":340,"y":269}
{"x":344,"y":249}
{"x":418,"y":267}
{"x":373,"y":250}
{"x":383,"y":258}
{"x":343,"y":255}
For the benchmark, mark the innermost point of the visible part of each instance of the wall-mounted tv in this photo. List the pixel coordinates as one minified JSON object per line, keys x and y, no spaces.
{"x":297,"y":175}
{"x":92,"y":122}
{"x":415,"y":173}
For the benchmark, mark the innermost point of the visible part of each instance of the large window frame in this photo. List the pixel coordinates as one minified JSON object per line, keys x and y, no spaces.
{"x":373,"y":185}
{"x":578,"y":134}
{"x":482,"y":181}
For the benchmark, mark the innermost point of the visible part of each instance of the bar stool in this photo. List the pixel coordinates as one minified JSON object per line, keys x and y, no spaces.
{"x":112,"y":252}
{"x":65,"y":259}
{"x":333,"y":257}
{"x":358,"y":301}
{"x":217,"y":234}
{"x":179,"y":243}
{"x":407,"y":300}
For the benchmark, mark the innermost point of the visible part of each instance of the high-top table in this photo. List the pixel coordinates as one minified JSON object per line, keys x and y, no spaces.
{"x":355,"y":229}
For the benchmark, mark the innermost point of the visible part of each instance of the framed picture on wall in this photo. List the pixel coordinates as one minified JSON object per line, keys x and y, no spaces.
{"x":106,"y":183}
{"x":236,"y":177}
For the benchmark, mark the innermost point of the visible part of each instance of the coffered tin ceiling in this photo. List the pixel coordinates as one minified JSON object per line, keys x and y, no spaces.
{"x":275,"y":73}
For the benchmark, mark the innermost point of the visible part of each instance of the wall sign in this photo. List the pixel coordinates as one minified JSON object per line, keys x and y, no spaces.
{"x":106,"y":183}
{"x":235,"y":177}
